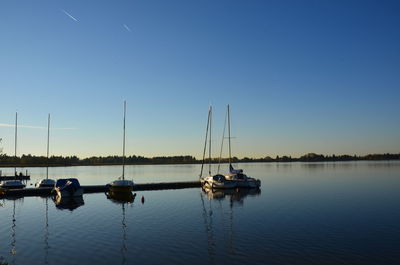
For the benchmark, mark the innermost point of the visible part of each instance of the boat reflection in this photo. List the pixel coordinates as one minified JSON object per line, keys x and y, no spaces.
{"x":68,"y":203}
{"x":121,"y":197}
{"x":234,"y":195}
{"x":219,"y":221}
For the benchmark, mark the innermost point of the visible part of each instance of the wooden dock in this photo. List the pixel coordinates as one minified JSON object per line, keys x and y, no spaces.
{"x":101,"y":188}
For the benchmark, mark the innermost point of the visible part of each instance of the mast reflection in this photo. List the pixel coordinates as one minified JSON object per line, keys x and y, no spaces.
{"x":124,"y":199}
{"x":223,"y":220}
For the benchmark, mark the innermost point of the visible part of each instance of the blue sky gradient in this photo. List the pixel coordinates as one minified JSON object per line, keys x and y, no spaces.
{"x":301,"y":76}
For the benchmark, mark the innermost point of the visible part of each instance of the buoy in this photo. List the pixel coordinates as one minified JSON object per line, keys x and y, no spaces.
{"x":142,"y":199}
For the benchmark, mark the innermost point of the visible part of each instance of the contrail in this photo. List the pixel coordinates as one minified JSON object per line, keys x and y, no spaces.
{"x":33,"y":127}
{"x":69,"y":15}
{"x":126,"y":27}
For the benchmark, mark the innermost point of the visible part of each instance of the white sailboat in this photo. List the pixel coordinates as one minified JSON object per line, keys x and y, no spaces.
{"x":237,"y":175}
{"x":14,"y":184}
{"x":47,"y":182}
{"x":122,"y":184}
{"x":217,"y":181}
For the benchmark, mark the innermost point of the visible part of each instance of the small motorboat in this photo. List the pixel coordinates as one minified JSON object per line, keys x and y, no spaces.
{"x":68,"y":188}
{"x":12,"y":184}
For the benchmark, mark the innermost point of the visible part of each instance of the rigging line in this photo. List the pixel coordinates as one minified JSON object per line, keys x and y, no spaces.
{"x":15,"y":144}
{"x":229,"y":134}
{"x":48,"y":141}
{"x":222,"y":144}
{"x":209,"y":151}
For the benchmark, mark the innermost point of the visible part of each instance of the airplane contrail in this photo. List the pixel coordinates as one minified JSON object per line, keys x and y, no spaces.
{"x":126,"y":27}
{"x":69,"y":15}
{"x":33,"y":127}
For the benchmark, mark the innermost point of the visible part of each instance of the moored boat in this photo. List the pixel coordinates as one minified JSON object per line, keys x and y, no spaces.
{"x":122,"y":185}
{"x":241,"y":180}
{"x":47,"y":182}
{"x":216,"y":181}
{"x":15,"y":183}
{"x":68,"y":188}
{"x":12,"y":184}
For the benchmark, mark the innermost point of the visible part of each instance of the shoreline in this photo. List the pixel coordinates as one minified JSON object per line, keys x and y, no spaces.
{"x":191,"y":163}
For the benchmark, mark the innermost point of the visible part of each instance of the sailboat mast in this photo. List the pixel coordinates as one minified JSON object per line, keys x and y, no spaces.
{"x":205,"y":142}
{"x":48,"y":145}
{"x":209,"y":151}
{"x":15,"y":143}
{"x":229,"y":134}
{"x":123,"y":145}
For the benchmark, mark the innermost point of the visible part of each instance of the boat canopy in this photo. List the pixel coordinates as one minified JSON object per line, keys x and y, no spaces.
{"x":235,"y":171}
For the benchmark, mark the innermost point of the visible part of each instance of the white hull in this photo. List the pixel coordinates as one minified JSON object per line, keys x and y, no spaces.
{"x":243,"y":181}
{"x":212,"y":183}
{"x":122,"y":185}
{"x":46,"y":183}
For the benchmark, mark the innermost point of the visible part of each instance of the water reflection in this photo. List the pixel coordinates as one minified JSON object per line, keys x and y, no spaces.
{"x":222,"y":221}
{"x":235,"y":196}
{"x":122,"y":198}
{"x":13,"y":243}
{"x":46,"y":234}
{"x":68,"y":203}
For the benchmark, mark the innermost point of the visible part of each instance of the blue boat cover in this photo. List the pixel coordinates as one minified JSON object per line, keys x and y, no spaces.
{"x":234,"y":171}
{"x":71,"y":184}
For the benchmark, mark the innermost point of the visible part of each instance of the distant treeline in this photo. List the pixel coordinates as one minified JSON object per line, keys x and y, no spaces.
{"x":31,"y":161}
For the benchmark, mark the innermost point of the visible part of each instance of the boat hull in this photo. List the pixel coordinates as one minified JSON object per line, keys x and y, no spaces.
{"x":12,"y":184}
{"x":218,"y":182}
{"x":68,"y":193}
{"x":121,"y":185}
{"x":119,"y":189}
{"x":46,"y":183}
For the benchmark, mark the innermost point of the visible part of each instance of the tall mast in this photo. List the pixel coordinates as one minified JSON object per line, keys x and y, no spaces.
{"x":229,"y":134}
{"x":123,"y":145}
{"x":209,"y":146}
{"x":48,"y":145}
{"x":15,"y":142}
{"x":205,"y":141}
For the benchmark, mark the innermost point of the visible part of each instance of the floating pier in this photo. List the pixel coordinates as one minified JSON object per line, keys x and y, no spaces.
{"x":100,"y":188}
{"x":3,"y":178}
{"x":19,"y":176}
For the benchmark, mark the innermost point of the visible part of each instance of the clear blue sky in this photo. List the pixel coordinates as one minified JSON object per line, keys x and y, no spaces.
{"x":301,"y":76}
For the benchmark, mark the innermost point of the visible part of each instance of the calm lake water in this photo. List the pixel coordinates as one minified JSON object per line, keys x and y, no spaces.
{"x":317,"y":213}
